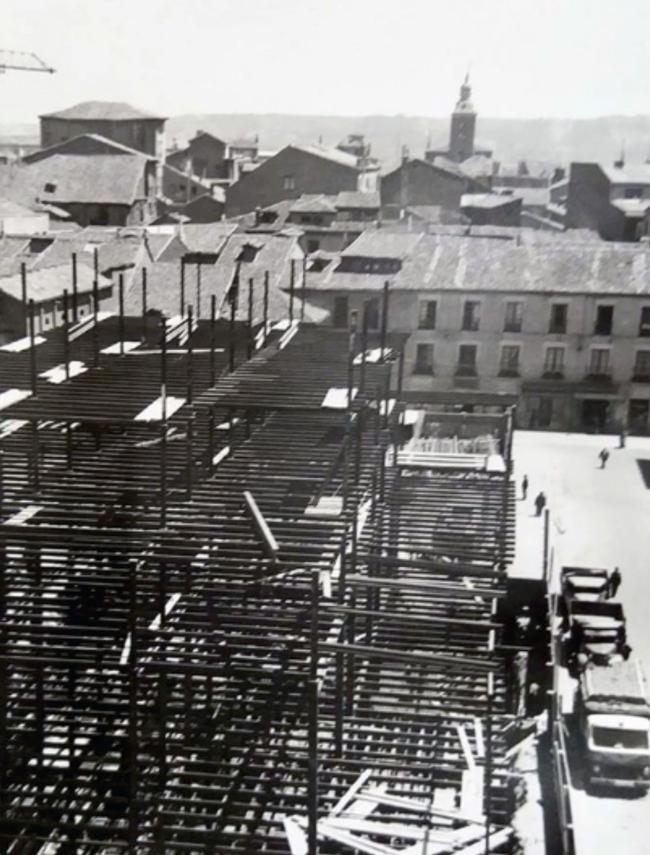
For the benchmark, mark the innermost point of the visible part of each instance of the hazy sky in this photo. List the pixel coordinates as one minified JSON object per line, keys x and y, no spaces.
{"x":563,"y":58}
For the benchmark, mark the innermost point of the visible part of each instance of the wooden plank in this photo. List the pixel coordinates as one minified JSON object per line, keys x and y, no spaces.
{"x":269,"y":543}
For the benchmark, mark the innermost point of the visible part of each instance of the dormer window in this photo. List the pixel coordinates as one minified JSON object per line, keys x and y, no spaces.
{"x":49,"y":187}
{"x":247,"y":253}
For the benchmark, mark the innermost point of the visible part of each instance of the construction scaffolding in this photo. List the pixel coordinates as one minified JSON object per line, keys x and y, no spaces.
{"x":233,"y":616}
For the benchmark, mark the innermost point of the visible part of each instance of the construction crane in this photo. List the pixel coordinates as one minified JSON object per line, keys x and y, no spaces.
{"x":12,"y":60}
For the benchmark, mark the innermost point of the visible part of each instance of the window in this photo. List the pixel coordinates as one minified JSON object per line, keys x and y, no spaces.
{"x":288,"y":182}
{"x":509,"y":366}
{"x":599,"y":360}
{"x":49,"y":187}
{"x":471,"y":314}
{"x":557,"y":322}
{"x":604,"y":319}
{"x":423,"y":359}
{"x":372,"y":314}
{"x":644,"y":323}
{"x":642,"y":366}
{"x":554,"y":361}
{"x":466,"y":360}
{"x":633,"y":193}
{"x":512,"y":320}
{"x":313,"y":245}
{"x":340,"y":314}
{"x":427,"y":316}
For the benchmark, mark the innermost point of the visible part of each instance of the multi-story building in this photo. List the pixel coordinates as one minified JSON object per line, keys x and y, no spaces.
{"x":611,"y":199}
{"x":462,"y":131}
{"x":115,"y":121}
{"x":562,"y":327}
{"x":295,"y":171}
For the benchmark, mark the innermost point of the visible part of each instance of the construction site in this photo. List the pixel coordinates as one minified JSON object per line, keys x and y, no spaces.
{"x":251,"y":601}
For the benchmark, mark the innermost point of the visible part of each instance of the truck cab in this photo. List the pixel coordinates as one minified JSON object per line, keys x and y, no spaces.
{"x":584,"y":584}
{"x":614,"y":717}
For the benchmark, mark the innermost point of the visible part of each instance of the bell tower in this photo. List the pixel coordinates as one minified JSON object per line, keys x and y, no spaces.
{"x":463,"y":125}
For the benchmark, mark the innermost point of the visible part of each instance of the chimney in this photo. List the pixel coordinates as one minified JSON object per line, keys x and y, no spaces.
{"x":405,"y":154}
{"x":258,"y":216}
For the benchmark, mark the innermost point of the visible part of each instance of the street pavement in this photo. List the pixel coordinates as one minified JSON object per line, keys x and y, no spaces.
{"x":598,"y":518}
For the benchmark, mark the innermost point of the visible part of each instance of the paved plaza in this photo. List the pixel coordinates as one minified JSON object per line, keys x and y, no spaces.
{"x":598,"y":518}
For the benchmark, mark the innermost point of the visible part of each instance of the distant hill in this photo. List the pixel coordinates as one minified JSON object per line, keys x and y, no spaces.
{"x":551,"y":140}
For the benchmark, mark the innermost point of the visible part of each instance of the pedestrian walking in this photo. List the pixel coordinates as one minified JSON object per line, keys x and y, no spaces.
{"x":621,"y":438}
{"x":614,"y":581}
{"x":524,"y":488}
{"x":604,"y":457}
{"x":540,"y":504}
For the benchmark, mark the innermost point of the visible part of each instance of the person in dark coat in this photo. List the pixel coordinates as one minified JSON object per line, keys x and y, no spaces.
{"x":614,"y":581}
{"x":540,"y":504}
{"x":604,"y":457}
{"x":524,"y":488}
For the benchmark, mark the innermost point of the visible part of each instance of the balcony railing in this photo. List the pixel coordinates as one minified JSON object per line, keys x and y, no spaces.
{"x":553,"y":374}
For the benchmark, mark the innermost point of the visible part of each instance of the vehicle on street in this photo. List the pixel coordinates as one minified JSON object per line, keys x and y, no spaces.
{"x":614,"y":722}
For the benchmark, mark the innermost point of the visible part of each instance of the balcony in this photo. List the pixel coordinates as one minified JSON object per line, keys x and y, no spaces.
{"x":603,"y":378}
{"x":641,"y":378}
{"x":557,"y":374}
{"x":508,"y":372}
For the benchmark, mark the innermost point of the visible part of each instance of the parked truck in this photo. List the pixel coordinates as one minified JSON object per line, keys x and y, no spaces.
{"x":614,"y":721}
{"x":586,"y":584}
{"x":596,"y":632}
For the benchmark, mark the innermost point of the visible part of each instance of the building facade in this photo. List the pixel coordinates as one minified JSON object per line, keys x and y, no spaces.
{"x":565,"y":329}
{"x":293,"y":172}
{"x":122,"y":123}
{"x":612,"y":200}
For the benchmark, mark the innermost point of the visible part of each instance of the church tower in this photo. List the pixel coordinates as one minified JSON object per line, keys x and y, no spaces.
{"x":463,"y":126}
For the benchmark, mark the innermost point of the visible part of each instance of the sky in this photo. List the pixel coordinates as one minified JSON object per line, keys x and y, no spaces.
{"x":527,"y":58}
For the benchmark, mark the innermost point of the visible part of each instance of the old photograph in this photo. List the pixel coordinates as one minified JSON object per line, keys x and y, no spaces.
{"x":324,"y":427}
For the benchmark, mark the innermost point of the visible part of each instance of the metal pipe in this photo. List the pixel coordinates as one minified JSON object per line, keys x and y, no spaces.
{"x":190,"y":455}
{"x":198,"y":292}
{"x":32,"y":349}
{"x":249,"y":337}
{"x":384,"y":318}
{"x":488,"y":761}
{"x":292,"y":287}
{"x":364,"y":347}
{"x":23,"y":286}
{"x":163,"y":424}
{"x":120,"y":291}
{"x":75,"y":293}
{"x":312,"y":783}
{"x":231,"y":336}
{"x":66,"y":340}
{"x":266,"y":306}
{"x":213,"y":338}
{"x":95,"y":320}
{"x":190,"y":361}
{"x":304,"y":287}
{"x":144,"y":304}
{"x":182,"y":287}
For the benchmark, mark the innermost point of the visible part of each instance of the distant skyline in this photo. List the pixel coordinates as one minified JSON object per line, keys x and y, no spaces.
{"x":554,"y":58}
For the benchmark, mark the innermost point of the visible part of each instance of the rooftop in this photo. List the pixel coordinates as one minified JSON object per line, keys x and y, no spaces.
{"x":475,"y":264}
{"x":486,"y":200}
{"x":327,"y":153}
{"x":111,"y":111}
{"x":633,"y":173}
{"x":49,"y":283}
{"x":357,"y":199}
{"x":67,"y":178}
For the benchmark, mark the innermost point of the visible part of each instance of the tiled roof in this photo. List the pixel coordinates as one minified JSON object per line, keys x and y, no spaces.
{"x":443,"y":166}
{"x":313,"y":204}
{"x":356,"y":199}
{"x":206,"y":237}
{"x":102,"y":145}
{"x":274,"y":253}
{"x":100,"y":179}
{"x":632,"y":207}
{"x":49,"y":283}
{"x":379,"y":244}
{"x":333,"y":154}
{"x":8,"y":208}
{"x":474,"y":264}
{"x":114,"y":111}
{"x":485,"y":200}
{"x":633,"y":173}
